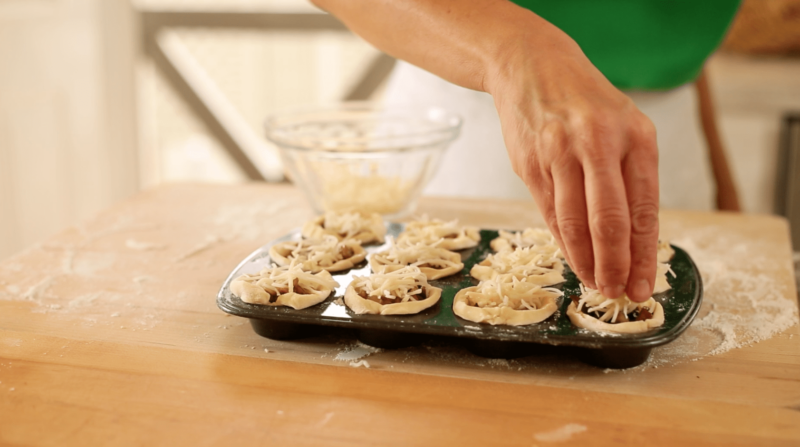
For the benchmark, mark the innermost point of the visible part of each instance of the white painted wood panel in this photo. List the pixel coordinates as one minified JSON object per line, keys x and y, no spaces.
{"x":67,"y":134}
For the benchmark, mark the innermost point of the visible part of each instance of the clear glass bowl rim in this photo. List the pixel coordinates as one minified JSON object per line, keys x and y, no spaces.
{"x":449,"y":129}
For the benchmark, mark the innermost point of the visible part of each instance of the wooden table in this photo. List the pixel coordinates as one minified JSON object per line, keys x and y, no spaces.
{"x":109,"y":335}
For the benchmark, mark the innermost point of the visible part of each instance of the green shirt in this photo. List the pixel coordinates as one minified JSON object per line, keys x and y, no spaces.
{"x":642,"y":44}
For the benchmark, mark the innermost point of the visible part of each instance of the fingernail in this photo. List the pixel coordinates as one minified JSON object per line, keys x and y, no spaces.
{"x":613,"y":291}
{"x":641,"y":290}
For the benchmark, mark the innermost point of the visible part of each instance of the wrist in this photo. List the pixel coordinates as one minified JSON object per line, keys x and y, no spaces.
{"x":526,"y":46}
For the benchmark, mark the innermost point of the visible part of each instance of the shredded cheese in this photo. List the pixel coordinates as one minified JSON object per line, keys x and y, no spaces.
{"x":417,"y":254}
{"x":537,"y":239}
{"x":317,"y":254}
{"x":610,"y":310}
{"x":449,"y":235}
{"x":400,"y":286}
{"x":525,"y":261}
{"x":509,"y":291}
{"x":278,"y":281}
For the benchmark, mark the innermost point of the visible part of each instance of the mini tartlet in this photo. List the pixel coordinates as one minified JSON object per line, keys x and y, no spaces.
{"x":538,"y":238}
{"x":506,"y":300}
{"x":284,"y":286}
{"x":365,"y":227}
{"x":433,"y":261}
{"x":315,"y":255}
{"x":448,"y":235}
{"x":401,"y":292}
{"x":526,"y":264}
{"x":596,"y":312}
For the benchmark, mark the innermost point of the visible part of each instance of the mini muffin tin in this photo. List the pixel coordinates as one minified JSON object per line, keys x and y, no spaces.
{"x":606,"y":350}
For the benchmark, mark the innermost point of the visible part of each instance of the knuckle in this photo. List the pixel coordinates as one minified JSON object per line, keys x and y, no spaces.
{"x":613,"y":274}
{"x":572,"y":229}
{"x":552,"y":222}
{"x":554,"y":134}
{"x":643,"y":133}
{"x":644,"y":219}
{"x":610,"y":225}
{"x":645,"y":265}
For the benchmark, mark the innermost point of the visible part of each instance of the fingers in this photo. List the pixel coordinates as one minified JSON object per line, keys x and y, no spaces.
{"x":608,"y":217}
{"x":572,"y":221}
{"x":640,"y":172}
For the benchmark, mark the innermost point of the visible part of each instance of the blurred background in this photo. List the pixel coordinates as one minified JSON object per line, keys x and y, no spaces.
{"x":100,"y":99}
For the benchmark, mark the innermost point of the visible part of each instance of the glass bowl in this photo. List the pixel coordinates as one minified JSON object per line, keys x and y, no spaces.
{"x":363,"y":156}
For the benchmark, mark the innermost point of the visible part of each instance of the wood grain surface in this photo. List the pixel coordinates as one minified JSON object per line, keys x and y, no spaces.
{"x":109,"y":335}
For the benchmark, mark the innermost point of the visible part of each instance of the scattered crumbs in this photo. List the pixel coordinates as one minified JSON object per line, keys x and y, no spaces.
{"x":266,"y":350}
{"x":339,"y":301}
{"x":363,"y":363}
{"x":115,"y":314}
{"x":356,"y":352}
{"x":607,"y":370}
{"x":560,"y":434}
{"x":211,"y":240}
{"x":122,"y":327}
{"x":498,"y":363}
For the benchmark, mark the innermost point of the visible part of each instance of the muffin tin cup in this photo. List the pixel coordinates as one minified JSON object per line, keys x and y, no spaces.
{"x":555,"y":334}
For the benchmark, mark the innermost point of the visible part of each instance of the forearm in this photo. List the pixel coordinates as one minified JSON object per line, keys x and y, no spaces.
{"x":463,"y":41}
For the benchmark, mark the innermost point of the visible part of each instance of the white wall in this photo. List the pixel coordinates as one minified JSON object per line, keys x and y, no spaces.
{"x":67,"y":133}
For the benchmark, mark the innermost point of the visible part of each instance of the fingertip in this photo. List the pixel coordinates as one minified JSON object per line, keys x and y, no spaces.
{"x":613,"y":291}
{"x":640,"y":290}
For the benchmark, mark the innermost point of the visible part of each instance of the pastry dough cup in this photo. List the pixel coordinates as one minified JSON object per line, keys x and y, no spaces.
{"x":586,"y":321}
{"x":360,"y":305}
{"x":665,"y":252}
{"x":278,"y":253}
{"x":415,"y":233}
{"x":485,"y":272}
{"x":504,"y":314}
{"x":504,"y":241}
{"x":377,"y":264}
{"x":661,"y":285}
{"x":373,"y":229}
{"x":254,"y":293}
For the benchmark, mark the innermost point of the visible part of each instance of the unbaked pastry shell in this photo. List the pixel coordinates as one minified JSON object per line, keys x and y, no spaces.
{"x":275,"y":254}
{"x":499,"y":315}
{"x":371,"y":231}
{"x":360,"y":305}
{"x":469,"y":239}
{"x":487,"y":272}
{"x":431,"y":273}
{"x":585,"y":321}
{"x":254,"y":294}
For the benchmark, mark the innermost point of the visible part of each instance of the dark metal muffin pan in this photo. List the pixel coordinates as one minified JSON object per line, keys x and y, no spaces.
{"x":681,"y":304}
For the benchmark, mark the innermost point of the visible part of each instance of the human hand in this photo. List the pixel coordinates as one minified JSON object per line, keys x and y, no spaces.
{"x":589,"y":158}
